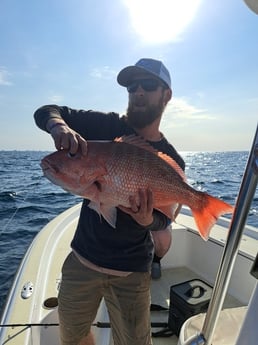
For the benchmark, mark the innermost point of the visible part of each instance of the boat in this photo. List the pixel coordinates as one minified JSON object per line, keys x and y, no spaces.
{"x":222,"y":265}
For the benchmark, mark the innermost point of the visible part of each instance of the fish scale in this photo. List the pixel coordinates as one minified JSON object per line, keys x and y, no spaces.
{"x":124,"y":173}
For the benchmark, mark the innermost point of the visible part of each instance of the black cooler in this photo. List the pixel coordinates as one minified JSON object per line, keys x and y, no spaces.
{"x":187,"y":299}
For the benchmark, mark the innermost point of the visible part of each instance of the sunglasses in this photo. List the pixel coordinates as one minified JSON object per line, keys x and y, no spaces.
{"x":147,"y":85}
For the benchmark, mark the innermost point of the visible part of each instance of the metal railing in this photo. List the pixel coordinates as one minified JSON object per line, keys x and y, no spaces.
{"x":243,"y":203}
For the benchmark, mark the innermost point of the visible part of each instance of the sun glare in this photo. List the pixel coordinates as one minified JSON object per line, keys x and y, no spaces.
{"x":160,"y":21}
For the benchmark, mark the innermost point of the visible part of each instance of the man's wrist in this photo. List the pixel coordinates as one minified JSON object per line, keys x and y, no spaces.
{"x":52,"y":125}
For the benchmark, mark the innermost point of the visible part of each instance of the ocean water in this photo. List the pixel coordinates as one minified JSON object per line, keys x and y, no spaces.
{"x":28,"y":200}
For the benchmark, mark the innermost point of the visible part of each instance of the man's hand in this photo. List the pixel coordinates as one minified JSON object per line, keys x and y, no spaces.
{"x":141,"y":207}
{"x":66,"y":138}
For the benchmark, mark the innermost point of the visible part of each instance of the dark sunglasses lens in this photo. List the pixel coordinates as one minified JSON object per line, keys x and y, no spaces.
{"x":146,"y":84}
{"x":150,"y":84}
{"x":133,"y":87}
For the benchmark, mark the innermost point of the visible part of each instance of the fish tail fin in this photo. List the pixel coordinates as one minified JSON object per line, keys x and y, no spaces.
{"x":206,"y":215}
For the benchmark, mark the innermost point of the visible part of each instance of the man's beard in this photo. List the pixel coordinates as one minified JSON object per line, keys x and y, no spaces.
{"x":142,"y":118}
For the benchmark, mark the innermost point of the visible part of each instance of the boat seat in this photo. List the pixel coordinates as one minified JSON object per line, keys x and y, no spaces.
{"x":226,"y":332}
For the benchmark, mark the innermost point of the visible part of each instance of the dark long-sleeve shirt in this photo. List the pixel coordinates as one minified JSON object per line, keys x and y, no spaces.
{"x":129,"y":246}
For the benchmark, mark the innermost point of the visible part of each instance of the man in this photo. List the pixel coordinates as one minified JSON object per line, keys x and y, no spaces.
{"x":108,"y":263}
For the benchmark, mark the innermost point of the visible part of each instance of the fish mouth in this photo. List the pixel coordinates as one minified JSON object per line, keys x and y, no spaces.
{"x":47,"y":167}
{"x":51,"y":172}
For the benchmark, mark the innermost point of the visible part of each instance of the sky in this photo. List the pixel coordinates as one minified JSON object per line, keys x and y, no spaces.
{"x":69,"y":52}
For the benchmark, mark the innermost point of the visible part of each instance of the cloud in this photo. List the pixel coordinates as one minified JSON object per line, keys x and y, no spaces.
{"x":103,"y":73}
{"x":182,"y":111}
{"x":4,"y":74}
{"x":56,"y":98}
{"x":253,"y":100}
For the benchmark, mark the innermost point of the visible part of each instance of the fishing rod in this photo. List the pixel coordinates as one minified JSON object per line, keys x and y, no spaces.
{"x":98,"y":324}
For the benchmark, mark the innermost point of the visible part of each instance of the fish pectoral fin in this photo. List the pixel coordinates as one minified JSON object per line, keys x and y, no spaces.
{"x":95,"y":207}
{"x":109,"y":214}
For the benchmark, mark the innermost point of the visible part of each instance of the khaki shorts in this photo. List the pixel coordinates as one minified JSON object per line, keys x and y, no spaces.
{"x":127,"y":300}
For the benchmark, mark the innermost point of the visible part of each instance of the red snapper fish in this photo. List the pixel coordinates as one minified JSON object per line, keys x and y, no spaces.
{"x":114,"y":170}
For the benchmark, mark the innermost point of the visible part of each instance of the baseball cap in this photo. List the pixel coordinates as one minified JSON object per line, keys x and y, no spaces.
{"x":151,"y":66}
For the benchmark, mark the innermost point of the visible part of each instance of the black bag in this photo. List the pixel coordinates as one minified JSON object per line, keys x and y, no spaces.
{"x":187,"y":299}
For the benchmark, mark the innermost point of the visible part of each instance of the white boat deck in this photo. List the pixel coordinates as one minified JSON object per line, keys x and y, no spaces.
{"x":160,"y":295}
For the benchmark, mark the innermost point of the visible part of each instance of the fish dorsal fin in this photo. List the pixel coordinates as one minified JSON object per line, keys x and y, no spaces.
{"x":173,"y":164}
{"x":136,"y":141}
{"x":141,"y":143}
